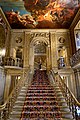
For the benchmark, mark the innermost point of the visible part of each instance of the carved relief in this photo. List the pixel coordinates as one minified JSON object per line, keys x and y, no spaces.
{"x":18,"y":40}
{"x":40,"y":48}
{"x":38,"y":34}
{"x":61,"y":40}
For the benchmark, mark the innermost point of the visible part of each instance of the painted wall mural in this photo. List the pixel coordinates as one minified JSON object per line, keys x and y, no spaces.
{"x":28,"y":14}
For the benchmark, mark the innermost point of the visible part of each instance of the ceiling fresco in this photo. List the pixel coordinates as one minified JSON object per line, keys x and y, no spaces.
{"x":26,"y":14}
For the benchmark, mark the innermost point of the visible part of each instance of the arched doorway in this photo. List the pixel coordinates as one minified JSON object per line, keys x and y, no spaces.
{"x":39,"y":51}
{"x":40,"y":55}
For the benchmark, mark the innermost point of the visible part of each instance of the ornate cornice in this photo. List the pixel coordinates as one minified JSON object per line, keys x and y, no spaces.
{"x":2,"y":15}
{"x":40,"y":34}
{"x":75,"y":21}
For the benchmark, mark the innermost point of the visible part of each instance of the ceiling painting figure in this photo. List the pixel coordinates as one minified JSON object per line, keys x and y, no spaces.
{"x":49,"y":14}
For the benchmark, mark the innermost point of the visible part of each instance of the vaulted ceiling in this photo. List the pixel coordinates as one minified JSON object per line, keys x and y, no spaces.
{"x":26,"y":14}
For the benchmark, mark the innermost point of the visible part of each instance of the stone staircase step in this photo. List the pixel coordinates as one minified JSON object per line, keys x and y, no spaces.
{"x":40,"y":112}
{"x":22,"y":94}
{"x":40,"y":119}
{"x":20,"y":97}
{"x":23,"y":90}
{"x":40,"y":101}
{"x":34,"y":113}
{"x":40,"y":86}
{"x":42,"y":90}
{"x":23,"y":87}
{"x":31,"y":106}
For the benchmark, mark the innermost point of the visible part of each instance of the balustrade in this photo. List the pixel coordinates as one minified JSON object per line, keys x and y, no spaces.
{"x":11,"y":62}
{"x":72,"y":102}
{"x":6,"y":108}
{"x":75,"y":59}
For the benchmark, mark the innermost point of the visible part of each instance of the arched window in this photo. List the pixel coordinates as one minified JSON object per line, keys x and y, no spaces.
{"x":40,"y":48}
{"x":78,"y":40}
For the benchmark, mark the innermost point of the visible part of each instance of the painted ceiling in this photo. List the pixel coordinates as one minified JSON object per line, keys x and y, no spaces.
{"x":26,"y":14}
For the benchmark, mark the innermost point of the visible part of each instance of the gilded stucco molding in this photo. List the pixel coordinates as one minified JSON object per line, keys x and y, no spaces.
{"x":4,"y":18}
{"x":75,"y":21}
{"x":77,"y":27}
{"x":39,"y":36}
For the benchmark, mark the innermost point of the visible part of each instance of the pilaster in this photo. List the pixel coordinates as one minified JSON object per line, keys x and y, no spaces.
{"x":53,"y":51}
{"x":26,"y":49}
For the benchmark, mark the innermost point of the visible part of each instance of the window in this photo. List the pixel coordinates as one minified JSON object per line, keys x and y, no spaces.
{"x":78,"y":40}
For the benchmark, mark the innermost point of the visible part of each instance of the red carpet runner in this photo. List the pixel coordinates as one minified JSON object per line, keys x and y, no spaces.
{"x":41,"y":101}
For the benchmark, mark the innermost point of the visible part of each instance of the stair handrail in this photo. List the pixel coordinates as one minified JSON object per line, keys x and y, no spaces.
{"x":6,"y":107}
{"x":69,"y":96}
{"x":77,"y":102}
{"x":75,"y":59}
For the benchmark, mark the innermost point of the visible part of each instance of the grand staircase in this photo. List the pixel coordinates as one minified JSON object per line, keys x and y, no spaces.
{"x":41,"y":101}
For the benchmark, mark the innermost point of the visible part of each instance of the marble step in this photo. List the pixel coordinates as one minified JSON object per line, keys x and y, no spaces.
{"x":40,"y":119}
{"x":23,"y":90}
{"x":32,"y":108}
{"x":41,"y":103}
{"x":35,"y":113}
{"x":23,"y":97}
{"x":14,"y":112}
{"x":46,"y":92}
{"x":20,"y":106}
{"x":17,"y":118}
{"x":39,"y":86}
{"x":42,"y":88}
{"x":45,"y":88}
{"x":20,"y":101}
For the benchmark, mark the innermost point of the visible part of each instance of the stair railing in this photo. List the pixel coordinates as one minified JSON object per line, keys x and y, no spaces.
{"x":6,"y":108}
{"x":72,"y":102}
{"x":75,"y":59}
